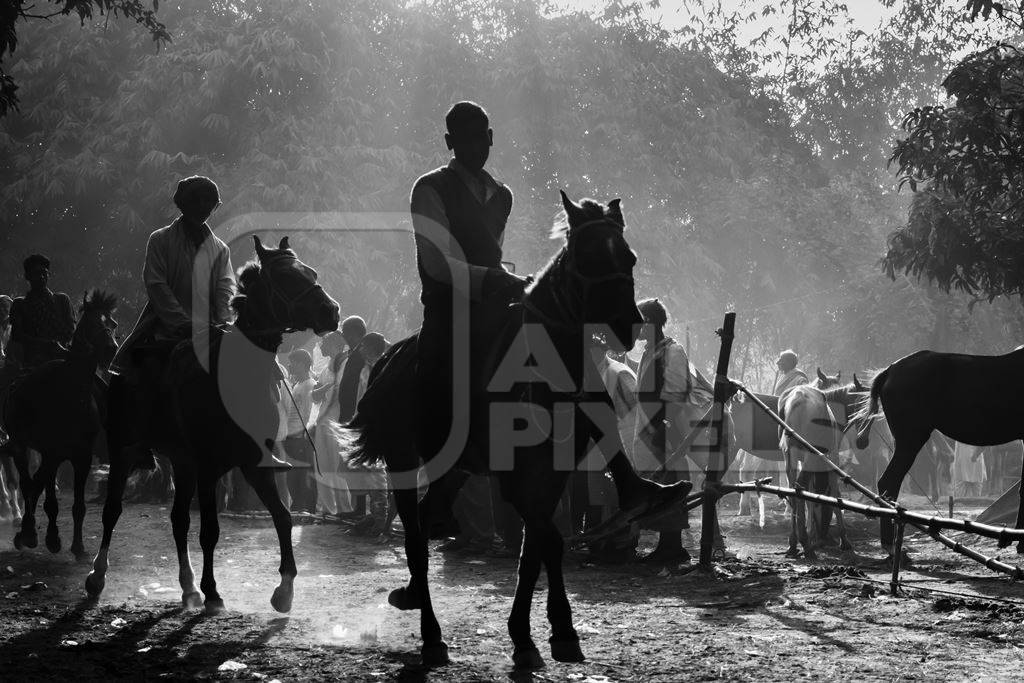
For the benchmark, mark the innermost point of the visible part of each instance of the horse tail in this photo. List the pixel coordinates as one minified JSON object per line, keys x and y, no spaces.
{"x":872,"y":403}
{"x":384,"y":420}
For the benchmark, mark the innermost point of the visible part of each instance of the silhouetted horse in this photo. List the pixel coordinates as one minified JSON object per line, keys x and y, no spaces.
{"x":810,"y":410}
{"x":57,"y":410}
{"x":544,"y":409}
{"x":222,"y":414}
{"x":977,"y":400}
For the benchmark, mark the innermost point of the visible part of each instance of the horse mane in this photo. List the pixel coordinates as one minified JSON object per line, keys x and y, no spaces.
{"x":246,"y":277}
{"x":99,"y":300}
{"x":593,"y":210}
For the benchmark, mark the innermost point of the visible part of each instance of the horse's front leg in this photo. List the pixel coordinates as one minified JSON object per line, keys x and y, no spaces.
{"x":112,"y":507}
{"x":844,"y":540}
{"x":416,"y":595}
{"x":209,"y":534}
{"x":82,"y":464}
{"x":181,"y":520}
{"x":564,"y":641}
{"x":793,"y":550}
{"x":263,"y":482}
{"x":51,"y":505}
{"x":525,"y":654}
{"x":31,"y":488}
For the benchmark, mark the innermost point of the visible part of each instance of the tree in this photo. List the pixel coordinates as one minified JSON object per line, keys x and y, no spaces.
{"x":15,"y":11}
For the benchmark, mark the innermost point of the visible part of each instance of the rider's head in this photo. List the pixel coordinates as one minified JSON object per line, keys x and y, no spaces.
{"x":373,"y":347}
{"x":469,"y":134}
{"x":37,"y":270}
{"x":196,"y":197}
{"x":655,"y":317}
{"x":353,"y":329}
{"x":787,"y":360}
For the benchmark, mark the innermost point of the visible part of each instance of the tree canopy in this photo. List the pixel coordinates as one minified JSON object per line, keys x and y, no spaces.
{"x":744,"y":184}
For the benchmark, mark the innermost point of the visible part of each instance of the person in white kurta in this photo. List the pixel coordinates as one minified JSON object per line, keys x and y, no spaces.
{"x":968,"y":470}
{"x":333,"y":496}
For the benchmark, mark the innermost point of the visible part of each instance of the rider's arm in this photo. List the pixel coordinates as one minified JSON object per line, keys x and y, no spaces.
{"x":166,"y":305}
{"x":67,"y":319}
{"x":224,"y":285}
{"x":430,"y":223}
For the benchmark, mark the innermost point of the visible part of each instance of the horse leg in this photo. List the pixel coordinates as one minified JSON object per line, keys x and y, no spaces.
{"x":181,"y":520}
{"x":112,"y":506}
{"x":1020,"y":508}
{"x":82,"y":464}
{"x":10,"y":469}
{"x":50,"y":505}
{"x":525,"y":654}
{"x":30,"y":491}
{"x":800,"y":516}
{"x":564,"y":641}
{"x":263,"y":482}
{"x":209,"y":534}
{"x":793,"y":550}
{"x":907,"y":446}
{"x":844,"y":540}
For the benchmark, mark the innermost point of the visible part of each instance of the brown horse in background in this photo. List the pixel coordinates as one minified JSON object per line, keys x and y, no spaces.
{"x":976,"y":400}
{"x":218,"y":410}
{"x":68,"y":393}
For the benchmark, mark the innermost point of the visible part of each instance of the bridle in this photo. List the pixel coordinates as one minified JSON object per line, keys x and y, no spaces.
{"x":281,"y":306}
{"x":569,"y":314}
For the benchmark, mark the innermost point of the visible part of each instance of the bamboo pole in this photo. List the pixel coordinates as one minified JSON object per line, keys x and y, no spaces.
{"x":716,"y":465}
{"x":925,"y":522}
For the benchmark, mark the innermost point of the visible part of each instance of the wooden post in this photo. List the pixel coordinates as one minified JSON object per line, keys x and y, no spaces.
{"x":717,"y":453}
{"x":951,"y":502}
{"x":897,"y":557}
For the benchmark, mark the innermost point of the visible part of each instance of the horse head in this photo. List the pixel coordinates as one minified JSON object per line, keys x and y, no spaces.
{"x":600,"y":264}
{"x":94,"y":334}
{"x":827,"y":382}
{"x":278,"y":293}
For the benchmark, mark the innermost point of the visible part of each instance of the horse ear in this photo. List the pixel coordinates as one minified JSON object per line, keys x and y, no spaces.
{"x":615,"y":211}
{"x":283,"y":244}
{"x":821,"y":376}
{"x":857,"y":386}
{"x":839,"y":375}
{"x":572,"y":209}
{"x":258,"y":243}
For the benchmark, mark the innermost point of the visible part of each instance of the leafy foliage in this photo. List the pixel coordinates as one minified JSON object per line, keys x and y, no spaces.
{"x":18,"y":10}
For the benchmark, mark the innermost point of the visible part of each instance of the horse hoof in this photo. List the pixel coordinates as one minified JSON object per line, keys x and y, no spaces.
{"x":191,"y":600}
{"x":80,"y":556}
{"x":281,"y":600}
{"x":94,"y":584}
{"x":23,"y":540}
{"x":810,"y":555}
{"x":435,"y":655}
{"x":214,"y":606}
{"x":53,"y":544}
{"x":566,"y":650}
{"x":792,"y":553}
{"x":404,"y":599}
{"x":527,"y":659}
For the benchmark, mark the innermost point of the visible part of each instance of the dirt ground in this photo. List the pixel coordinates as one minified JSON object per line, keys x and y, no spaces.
{"x":758,"y":617}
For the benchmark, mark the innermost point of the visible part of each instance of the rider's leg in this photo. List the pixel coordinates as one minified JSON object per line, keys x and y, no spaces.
{"x":143,"y":381}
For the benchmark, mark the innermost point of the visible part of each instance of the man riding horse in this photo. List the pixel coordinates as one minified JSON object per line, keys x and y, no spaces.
{"x":459,"y":213}
{"x":189,"y":284}
{"x":42,"y":321}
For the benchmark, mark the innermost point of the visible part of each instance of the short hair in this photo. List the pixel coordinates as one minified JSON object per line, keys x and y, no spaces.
{"x":353,"y":325}
{"x":196,"y":197}
{"x":653,"y":312}
{"x":464,"y":113}
{"x":301,"y":356}
{"x":375,"y":343}
{"x":787,"y":359}
{"x":35,"y":260}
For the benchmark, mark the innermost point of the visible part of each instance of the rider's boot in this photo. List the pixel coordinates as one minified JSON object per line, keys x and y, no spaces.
{"x":642,"y":497}
{"x":271,"y":460}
